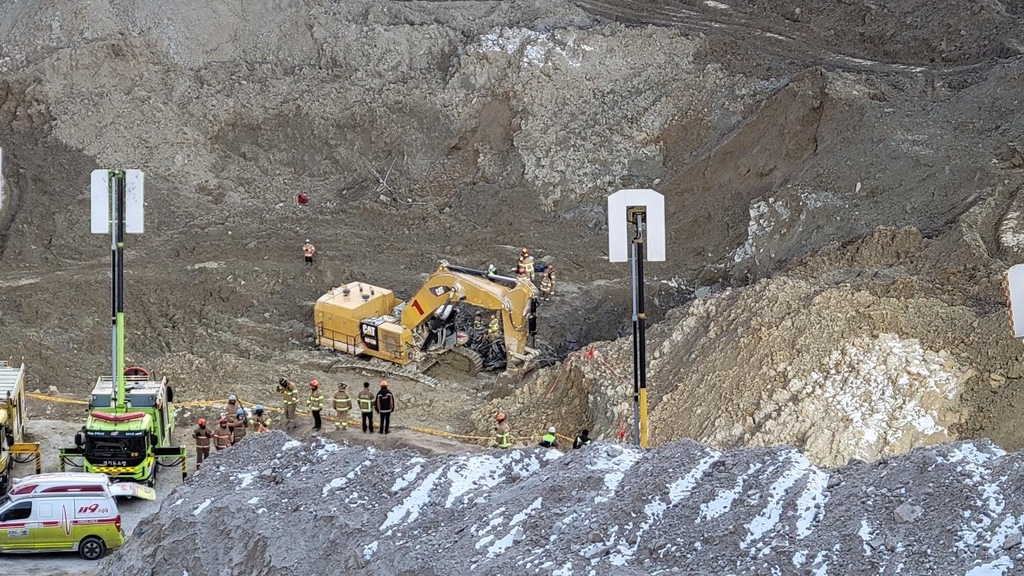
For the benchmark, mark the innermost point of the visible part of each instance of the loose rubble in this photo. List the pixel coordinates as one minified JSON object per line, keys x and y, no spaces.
{"x":950,"y":509}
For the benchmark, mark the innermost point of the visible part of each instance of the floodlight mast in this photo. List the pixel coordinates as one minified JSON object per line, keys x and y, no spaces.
{"x":117,"y":207}
{"x":645,"y":209}
{"x":637,"y":215}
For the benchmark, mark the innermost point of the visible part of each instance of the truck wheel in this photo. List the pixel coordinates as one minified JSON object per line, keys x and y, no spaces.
{"x":92,"y":548}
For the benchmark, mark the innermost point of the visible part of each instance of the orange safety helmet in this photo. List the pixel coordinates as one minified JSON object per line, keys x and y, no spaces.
{"x":223,"y":420}
{"x":500,"y":417}
{"x":202,"y":421}
{"x":383,"y":383}
{"x":313,"y":383}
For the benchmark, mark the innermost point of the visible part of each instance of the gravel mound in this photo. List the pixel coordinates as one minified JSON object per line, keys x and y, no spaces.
{"x":680,"y":508}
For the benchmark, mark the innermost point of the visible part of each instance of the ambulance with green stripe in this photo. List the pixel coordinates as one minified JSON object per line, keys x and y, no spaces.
{"x":65,"y":512}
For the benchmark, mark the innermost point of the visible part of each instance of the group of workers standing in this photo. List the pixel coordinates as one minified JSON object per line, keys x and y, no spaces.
{"x":383,"y":403}
{"x":233,"y":425}
{"x":235,"y":421}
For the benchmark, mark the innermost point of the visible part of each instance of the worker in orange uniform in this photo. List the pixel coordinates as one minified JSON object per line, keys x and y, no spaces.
{"x":547,"y":283}
{"x":202,"y":434}
{"x":222,"y":435}
{"x":308,"y":251}
{"x":342,"y":404}
{"x":503,"y":433}
{"x":315,"y":402}
{"x":366,"y":401}
{"x":385,"y":404}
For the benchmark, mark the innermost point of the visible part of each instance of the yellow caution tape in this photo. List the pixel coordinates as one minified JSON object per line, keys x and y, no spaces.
{"x":55,"y":399}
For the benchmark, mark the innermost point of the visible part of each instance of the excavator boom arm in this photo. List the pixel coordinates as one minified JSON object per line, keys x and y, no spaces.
{"x":447,"y":286}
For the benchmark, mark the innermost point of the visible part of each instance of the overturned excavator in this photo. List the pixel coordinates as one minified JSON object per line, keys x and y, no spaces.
{"x":364,"y":320}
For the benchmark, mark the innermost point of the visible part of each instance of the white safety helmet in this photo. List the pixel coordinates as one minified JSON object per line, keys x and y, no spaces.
{"x":551,"y":430}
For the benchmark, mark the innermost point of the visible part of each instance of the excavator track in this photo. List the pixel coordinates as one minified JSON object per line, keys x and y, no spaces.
{"x":385,"y":368}
{"x":464,"y":359}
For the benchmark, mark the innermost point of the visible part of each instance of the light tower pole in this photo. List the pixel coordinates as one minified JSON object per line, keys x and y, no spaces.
{"x":645,"y":210}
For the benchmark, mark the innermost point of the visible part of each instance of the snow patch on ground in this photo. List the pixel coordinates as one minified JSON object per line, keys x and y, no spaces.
{"x":810,"y":506}
{"x":244,"y":479}
{"x":534,"y":48}
{"x":202,"y":506}
{"x":681,"y":488}
{"x":413,"y":503}
{"x":768,"y":519}
{"x":291,"y":445}
{"x":617,"y":461}
{"x":724,"y":499}
{"x":717,"y":5}
{"x":995,"y":568}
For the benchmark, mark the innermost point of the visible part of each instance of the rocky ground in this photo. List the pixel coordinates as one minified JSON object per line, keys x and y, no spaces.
{"x":842,"y":182}
{"x":680,"y":508}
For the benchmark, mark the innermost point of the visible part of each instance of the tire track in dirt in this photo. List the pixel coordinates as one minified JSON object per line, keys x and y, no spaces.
{"x":786,"y":42}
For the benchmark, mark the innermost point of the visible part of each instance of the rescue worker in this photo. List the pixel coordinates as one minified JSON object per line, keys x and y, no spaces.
{"x":291,"y":398}
{"x":262,"y":422}
{"x":222,"y":435}
{"x":493,"y":328}
{"x":521,"y":274}
{"x":502,"y":432}
{"x":315,"y":402}
{"x":233,"y":404}
{"x":241,"y":424}
{"x":385,"y":405}
{"x":492,"y":270}
{"x":342,"y":404}
{"x":478,"y":323}
{"x":526,"y":262}
{"x":547,"y":283}
{"x":365,"y":400}
{"x":202,"y":434}
{"x":582,"y":440}
{"x":308,"y":250}
{"x":549,"y":440}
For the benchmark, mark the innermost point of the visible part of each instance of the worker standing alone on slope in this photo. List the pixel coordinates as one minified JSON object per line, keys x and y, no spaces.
{"x":308,"y":251}
{"x":365,"y":399}
{"x":342,"y":404}
{"x":502,"y":431}
{"x":315,"y":402}
{"x":202,"y":434}
{"x":385,"y":404}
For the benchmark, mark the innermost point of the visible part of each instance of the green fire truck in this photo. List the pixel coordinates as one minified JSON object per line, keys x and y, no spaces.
{"x":131,"y":415}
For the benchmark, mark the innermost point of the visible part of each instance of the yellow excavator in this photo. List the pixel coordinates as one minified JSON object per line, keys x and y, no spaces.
{"x":365,"y":320}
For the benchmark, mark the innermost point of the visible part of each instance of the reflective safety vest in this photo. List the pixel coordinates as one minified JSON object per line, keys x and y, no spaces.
{"x":503,"y":439}
{"x":290,"y":396}
{"x":262,"y":423}
{"x":343,"y":403}
{"x":365,"y":404}
{"x":548,"y":439}
{"x":527,"y":264}
{"x":315,"y":401}
{"x":546,"y":282}
{"x":493,"y":327}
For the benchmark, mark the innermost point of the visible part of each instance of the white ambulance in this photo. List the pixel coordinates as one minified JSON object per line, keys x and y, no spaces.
{"x":64,"y":512}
